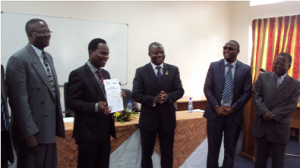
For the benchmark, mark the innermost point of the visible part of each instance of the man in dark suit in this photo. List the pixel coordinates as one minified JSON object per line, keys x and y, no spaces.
{"x":34,"y":99}
{"x":157,"y":86}
{"x":7,"y":153}
{"x":227,"y":89}
{"x":276,"y":96}
{"x":93,"y":123}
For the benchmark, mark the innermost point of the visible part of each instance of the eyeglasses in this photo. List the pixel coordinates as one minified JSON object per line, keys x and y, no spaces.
{"x":229,"y":48}
{"x":43,"y":32}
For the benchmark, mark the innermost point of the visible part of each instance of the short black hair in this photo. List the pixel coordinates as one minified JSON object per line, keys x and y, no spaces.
{"x":154,"y":44}
{"x":31,"y":22}
{"x":287,"y":56}
{"x":233,"y":41}
{"x":93,"y":45}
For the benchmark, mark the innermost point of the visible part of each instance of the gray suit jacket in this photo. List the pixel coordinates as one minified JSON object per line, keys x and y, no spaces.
{"x":281,"y":101}
{"x":35,"y":110}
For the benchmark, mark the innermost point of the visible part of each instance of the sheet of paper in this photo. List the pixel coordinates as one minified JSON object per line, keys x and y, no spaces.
{"x":113,"y":94}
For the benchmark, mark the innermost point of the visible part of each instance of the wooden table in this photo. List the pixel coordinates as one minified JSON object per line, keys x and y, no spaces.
{"x":182,"y":104}
{"x":189,"y":134}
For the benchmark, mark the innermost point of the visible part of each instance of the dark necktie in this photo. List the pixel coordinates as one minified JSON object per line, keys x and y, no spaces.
{"x":226,"y":95}
{"x":158,"y":74}
{"x":100,"y":76}
{"x":49,"y":74}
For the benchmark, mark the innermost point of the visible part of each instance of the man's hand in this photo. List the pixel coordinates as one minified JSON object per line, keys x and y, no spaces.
{"x":220,"y":111}
{"x":123,"y":95}
{"x":267,"y":116}
{"x":102,"y":107}
{"x":31,"y":143}
{"x":161,"y":97}
{"x":164,"y":97}
{"x":228,"y":110}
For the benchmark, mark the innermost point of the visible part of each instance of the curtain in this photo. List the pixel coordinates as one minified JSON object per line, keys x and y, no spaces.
{"x":272,"y":36}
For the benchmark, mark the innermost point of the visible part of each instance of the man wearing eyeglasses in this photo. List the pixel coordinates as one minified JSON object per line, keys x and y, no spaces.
{"x":34,"y":99}
{"x":227,"y":87}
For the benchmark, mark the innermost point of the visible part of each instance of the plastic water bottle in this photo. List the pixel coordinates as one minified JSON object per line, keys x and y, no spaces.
{"x":190,"y":107}
{"x":129,"y":106}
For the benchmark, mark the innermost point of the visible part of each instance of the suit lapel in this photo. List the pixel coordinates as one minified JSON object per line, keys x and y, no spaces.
{"x":151,"y":72}
{"x":284,"y":83}
{"x":93,"y":79}
{"x":222,"y":71}
{"x":36,"y":63}
{"x":272,"y":80}
{"x":165,"y":74}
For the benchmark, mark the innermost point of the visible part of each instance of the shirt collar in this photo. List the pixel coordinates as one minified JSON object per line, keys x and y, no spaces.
{"x":154,"y":66}
{"x":233,"y":64}
{"x":37,"y":51}
{"x":282,"y":77}
{"x":93,"y":69}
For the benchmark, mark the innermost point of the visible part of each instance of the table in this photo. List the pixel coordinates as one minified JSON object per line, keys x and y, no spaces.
{"x":189,"y":134}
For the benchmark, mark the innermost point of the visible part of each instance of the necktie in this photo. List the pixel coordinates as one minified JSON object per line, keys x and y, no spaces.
{"x":158,"y":74}
{"x":226,"y":95}
{"x":100,"y":76}
{"x":278,"y":81}
{"x":49,"y":74}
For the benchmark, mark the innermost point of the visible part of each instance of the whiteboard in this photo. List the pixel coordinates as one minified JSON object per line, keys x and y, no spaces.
{"x":69,"y":42}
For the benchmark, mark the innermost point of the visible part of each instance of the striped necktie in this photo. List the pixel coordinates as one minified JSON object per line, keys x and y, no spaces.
{"x":99,"y":74}
{"x":228,"y":84}
{"x":49,"y":74}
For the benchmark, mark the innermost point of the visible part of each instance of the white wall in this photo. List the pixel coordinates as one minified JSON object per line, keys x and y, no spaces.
{"x":192,"y":33}
{"x":243,"y":15}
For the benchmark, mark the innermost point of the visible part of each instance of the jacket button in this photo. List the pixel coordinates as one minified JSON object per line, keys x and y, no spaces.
{"x":42,"y":102}
{"x":46,"y":114}
{"x":37,"y":88}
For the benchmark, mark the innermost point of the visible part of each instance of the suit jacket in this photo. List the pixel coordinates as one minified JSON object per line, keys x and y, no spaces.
{"x":4,"y":101}
{"x":35,"y":110}
{"x":146,"y":87}
{"x":214,"y":85}
{"x":83,"y":93}
{"x":281,"y":101}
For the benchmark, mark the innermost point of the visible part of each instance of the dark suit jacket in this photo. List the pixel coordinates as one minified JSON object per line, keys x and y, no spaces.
{"x":35,"y":109}
{"x":4,"y":101}
{"x":214,"y":85}
{"x":281,"y":101}
{"x":83,"y":93}
{"x":146,"y":87}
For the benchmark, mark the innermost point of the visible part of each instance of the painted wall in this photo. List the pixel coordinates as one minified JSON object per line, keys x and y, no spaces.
{"x":192,"y":33}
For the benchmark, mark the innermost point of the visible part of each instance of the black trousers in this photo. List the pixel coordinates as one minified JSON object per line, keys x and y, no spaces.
{"x":45,"y":157}
{"x":94,"y":155}
{"x":166,"y":142}
{"x":215,"y":130}
{"x":262,"y":149}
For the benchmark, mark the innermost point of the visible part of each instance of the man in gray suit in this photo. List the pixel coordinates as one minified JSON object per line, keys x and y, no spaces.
{"x":34,"y":99}
{"x":276,"y":95}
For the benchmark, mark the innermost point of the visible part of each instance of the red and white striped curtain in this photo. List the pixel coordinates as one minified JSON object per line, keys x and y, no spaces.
{"x":272,"y":36}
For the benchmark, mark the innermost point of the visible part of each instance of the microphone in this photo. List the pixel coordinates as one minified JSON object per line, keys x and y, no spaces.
{"x":262,"y":70}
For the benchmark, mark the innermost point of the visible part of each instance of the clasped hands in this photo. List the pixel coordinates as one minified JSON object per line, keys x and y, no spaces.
{"x":102,"y":105}
{"x":224,"y":111}
{"x":267,"y":116}
{"x":161,"y":97}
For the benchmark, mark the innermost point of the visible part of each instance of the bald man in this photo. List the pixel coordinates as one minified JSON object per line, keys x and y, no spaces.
{"x":34,"y":99}
{"x":157,"y":86}
{"x":228,"y":87}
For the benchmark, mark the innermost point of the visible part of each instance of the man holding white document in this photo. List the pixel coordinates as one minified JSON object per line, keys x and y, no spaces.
{"x":93,"y":122}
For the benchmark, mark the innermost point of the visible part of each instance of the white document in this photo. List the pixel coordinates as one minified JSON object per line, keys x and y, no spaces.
{"x":113,"y":94}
